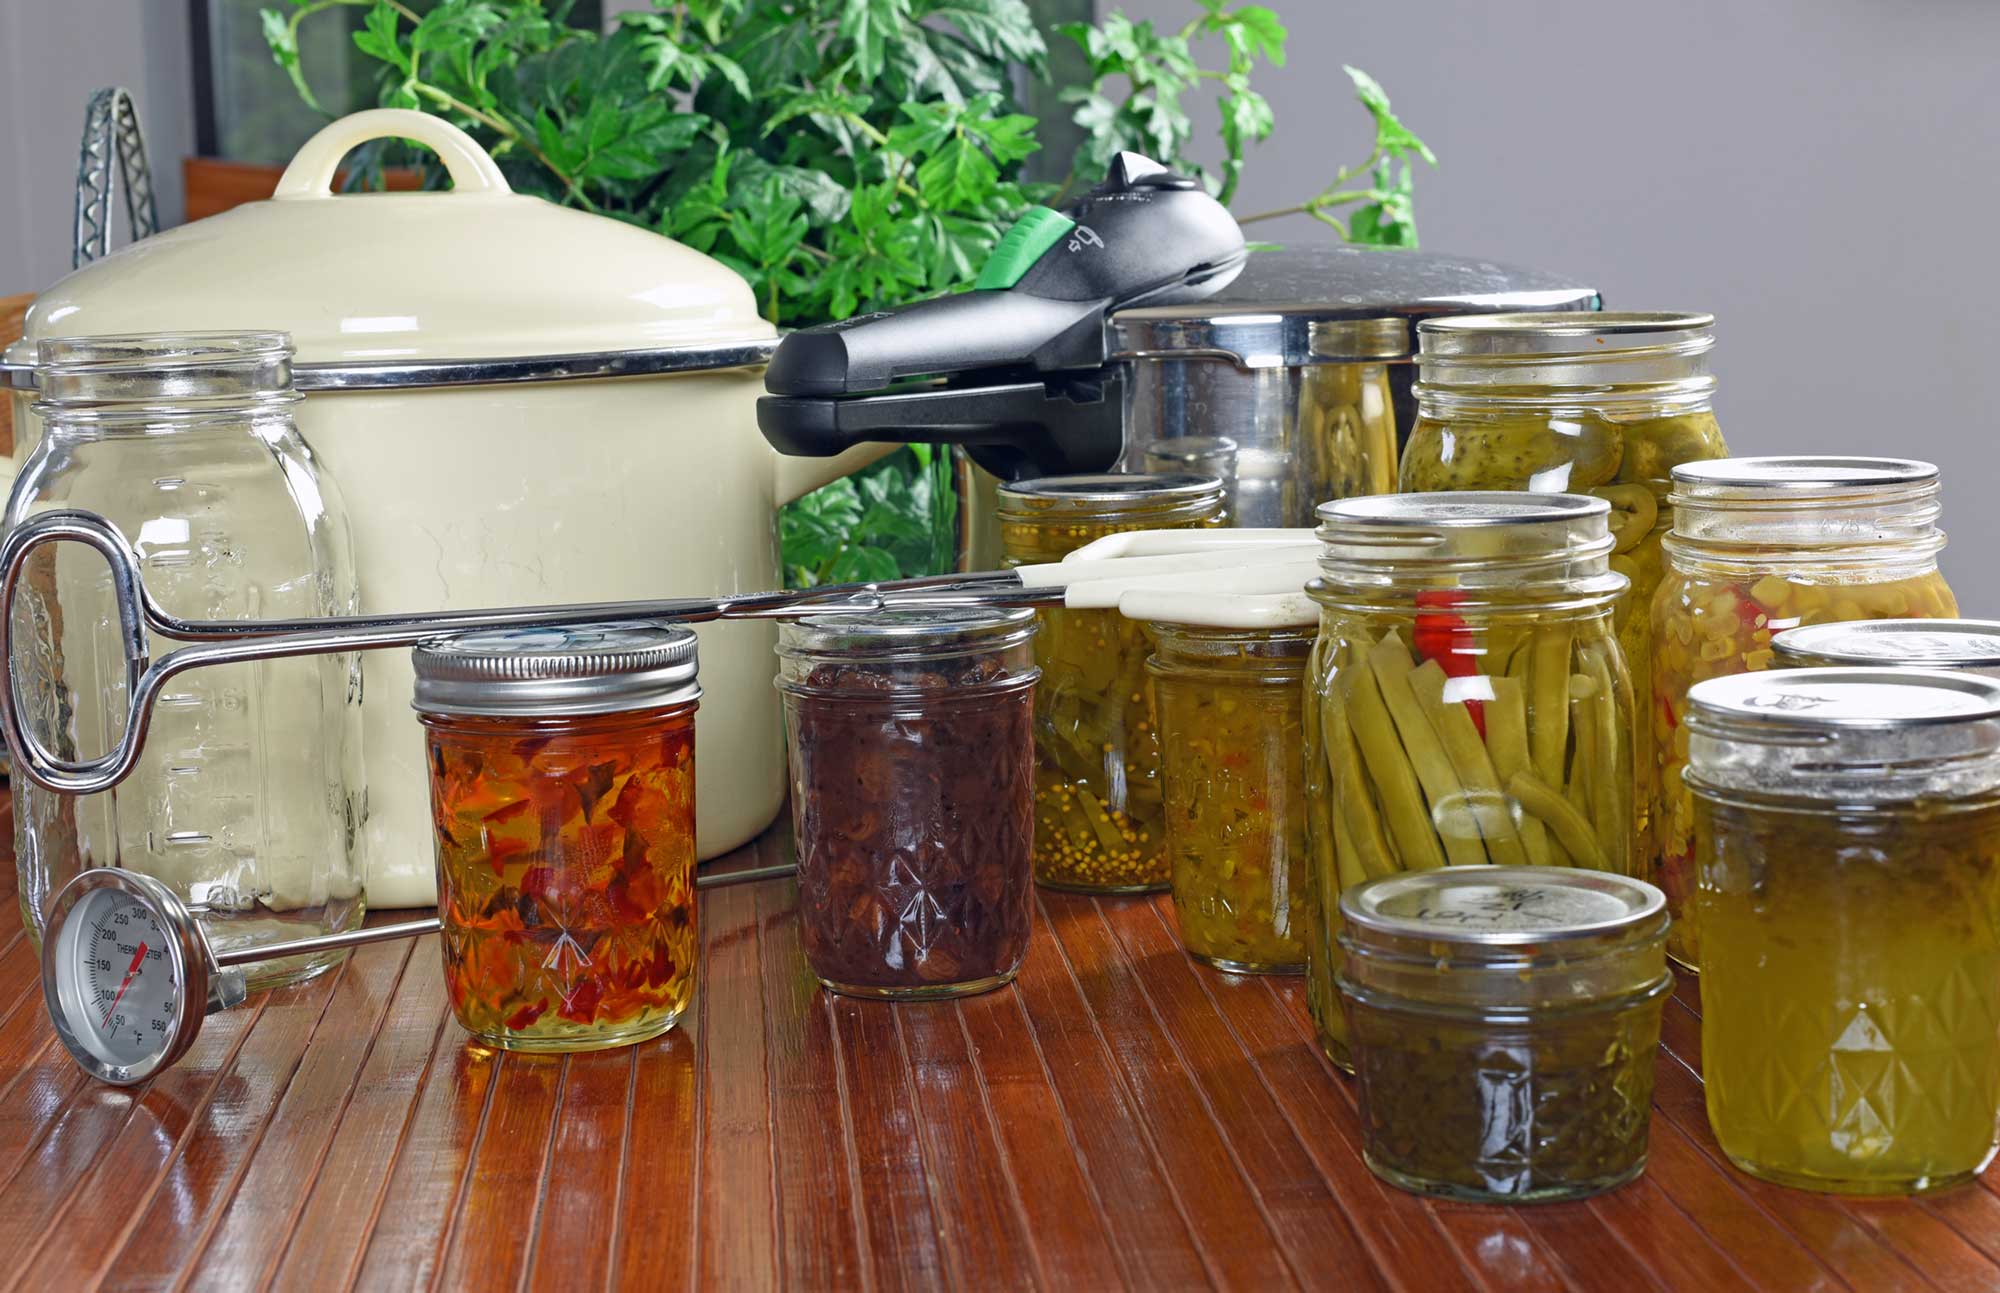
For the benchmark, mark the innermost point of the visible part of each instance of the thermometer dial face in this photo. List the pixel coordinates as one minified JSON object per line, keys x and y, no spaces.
{"x":126,"y":985}
{"x":126,"y":974}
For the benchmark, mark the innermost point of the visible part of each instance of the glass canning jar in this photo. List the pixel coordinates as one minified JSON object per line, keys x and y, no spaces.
{"x":1580,"y":403}
{"x":1231,"y":704}
{"x":1468,"y":700}
{"x":562,"y":794}
{"x":912,"y":754}
{"x":1847,"y":830}
{"x":1758,"y":546}
{"x":247,"y":798}
{"x":1972,"y":645}
{"x":1505,"y":1022}
{"x":1097,"y":748}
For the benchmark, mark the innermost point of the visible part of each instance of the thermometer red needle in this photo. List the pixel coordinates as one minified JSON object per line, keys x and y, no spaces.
{"x":138,"y":958}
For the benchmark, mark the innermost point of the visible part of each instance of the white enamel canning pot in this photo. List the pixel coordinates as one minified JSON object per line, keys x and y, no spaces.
{"x":522,"y":403}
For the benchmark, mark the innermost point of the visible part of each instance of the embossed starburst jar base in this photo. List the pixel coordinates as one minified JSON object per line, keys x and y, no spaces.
{"x":1847,"y":833}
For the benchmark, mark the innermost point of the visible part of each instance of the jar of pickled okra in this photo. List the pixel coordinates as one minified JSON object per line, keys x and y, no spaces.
{"x":562,"y":795}
{"x":1972,"y":645}
{"x":1468,"y":702}
{"x":1758,"y":546}
{"x":1847,"y":835}
{"x":1582,"y":403}
{"x":1100,"y":825}
{"x":1231,"y":703}
{"x":1504,"y":1024}
{"x":912,"y":758}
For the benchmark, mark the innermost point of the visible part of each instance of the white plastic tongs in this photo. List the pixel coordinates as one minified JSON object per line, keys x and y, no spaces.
{"x":1137,"y":565}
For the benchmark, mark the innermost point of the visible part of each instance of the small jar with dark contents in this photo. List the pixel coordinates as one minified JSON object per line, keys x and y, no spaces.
{"x":1504,"y":1023}
{"x":1101,"y":824}
{"x":912,"y":761}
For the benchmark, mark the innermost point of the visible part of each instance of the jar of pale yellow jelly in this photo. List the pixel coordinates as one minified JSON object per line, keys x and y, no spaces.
{"x":1758,"y":546}
{"x":1847,"y":834}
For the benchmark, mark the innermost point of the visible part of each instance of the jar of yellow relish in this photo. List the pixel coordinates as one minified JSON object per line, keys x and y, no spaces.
{"x":1758,"y":546}
{"x":1099,"y":823}
{"x":562,"y":793}
{"x":1505,"y":1023}
{"x":1847,"y":832}
{"x":1468,"y":702}
{"x":1230,"y":703}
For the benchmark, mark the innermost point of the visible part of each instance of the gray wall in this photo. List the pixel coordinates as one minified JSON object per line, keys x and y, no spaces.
{"x":1824,"y":175}
{"x":53,"y":55}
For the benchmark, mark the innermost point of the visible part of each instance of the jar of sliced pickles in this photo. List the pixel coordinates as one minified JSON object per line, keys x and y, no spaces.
{"x":1847,"y":828}
{"x":1505,"y":1022}
{"x":562,"y":793}
{"x":1230,"y":703}
{"x":912,"y":762}
{"x":1583,"y":403}
{"x":1972,"y":645}
{"x":1098,"y":817}
{"x":1758,"y":546}
{"x":1468,"y":701}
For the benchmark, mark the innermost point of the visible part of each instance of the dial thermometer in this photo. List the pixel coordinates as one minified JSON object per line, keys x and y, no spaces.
{"x":128,"y":972}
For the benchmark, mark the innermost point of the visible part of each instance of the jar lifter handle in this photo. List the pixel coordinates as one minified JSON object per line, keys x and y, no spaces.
{"x":141,"y":680}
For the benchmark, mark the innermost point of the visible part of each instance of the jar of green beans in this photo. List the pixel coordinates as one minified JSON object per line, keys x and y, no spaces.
{"x":1468,"y":702}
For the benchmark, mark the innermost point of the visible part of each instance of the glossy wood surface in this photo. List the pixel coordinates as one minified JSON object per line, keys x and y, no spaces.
{"x":1119,"y":1117}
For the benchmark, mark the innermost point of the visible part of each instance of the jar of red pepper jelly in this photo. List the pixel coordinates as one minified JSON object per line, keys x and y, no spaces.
{"x":562,"y":793}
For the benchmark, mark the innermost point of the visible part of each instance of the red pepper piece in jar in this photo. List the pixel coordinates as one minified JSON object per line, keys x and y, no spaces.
{"x":1443,"y":635}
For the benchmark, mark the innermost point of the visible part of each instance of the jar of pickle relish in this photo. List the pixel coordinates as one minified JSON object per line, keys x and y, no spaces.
{"x":1972,"y":645}
{"x":912,"y":758}
{"x":562,"y":794}
{"x":1231,"y":704}
{"x":1099,"y":822}
{"x":1758,"y":546}
{"x":1571,"y":402}
{"x":1847,"y":833}
{"x":1468,"y":702}
{"x":1504,"y":1023}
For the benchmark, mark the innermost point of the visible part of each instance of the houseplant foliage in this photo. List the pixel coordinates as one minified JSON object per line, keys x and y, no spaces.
{"x":842,"y":155}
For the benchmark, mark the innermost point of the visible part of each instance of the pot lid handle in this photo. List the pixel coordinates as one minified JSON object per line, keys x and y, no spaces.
{"x":310,"y":174}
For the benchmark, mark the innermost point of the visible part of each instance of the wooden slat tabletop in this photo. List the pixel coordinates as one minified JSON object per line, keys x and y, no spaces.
{"x":1120,"y":1116}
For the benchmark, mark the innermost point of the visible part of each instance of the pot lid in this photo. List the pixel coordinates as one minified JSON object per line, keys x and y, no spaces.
{"x":1286,"y":306}
{"x":381,"y":280}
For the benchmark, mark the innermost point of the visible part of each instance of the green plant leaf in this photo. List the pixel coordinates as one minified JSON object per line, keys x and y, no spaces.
{"x":998,"y":29}
{"x":870,"y":25}
{"x":378,"y":37}
{"x":1391,"y":135}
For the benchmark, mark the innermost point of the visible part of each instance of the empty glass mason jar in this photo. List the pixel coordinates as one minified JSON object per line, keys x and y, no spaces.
{"x":562,"y":796}
{"x":1097,"y":741}
{"x":1230,"y":703}
{"x":1468,"y":700}
{"x":1758,"y":546}
{"x":1505,"y":1022}
{"x":1847,"y":834}
{"x":247,"y":798}
{"x":912,"y":761}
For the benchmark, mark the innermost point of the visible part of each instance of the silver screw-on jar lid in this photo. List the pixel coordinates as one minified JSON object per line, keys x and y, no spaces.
{"x":1500,"y":906}
{"x":1845,"y":734}
{"x":556,"y":672}
{"x":1905,"y":644}
{"x":1803,"y":473}
{"x":905,"y":634}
